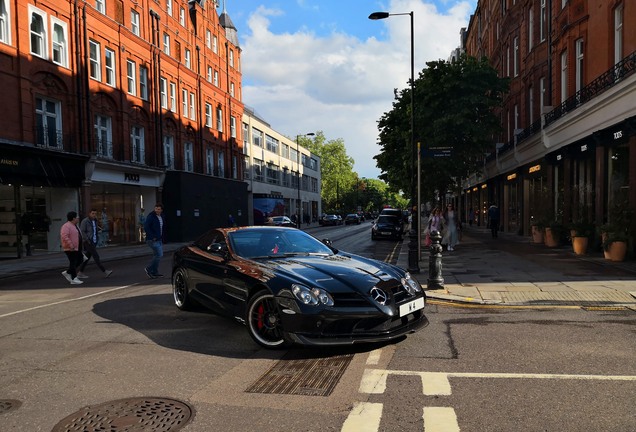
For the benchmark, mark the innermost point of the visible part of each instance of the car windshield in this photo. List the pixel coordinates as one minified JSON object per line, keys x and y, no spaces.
{"x":385,"y":219}
{"x":275,"y":243}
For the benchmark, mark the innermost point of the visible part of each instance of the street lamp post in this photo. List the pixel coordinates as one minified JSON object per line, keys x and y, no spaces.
{"x":414,"y":234}
{"x":298,"y":207}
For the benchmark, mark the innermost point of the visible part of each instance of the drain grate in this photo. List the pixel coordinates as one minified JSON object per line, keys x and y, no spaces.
{"x":7,"y":405}
{"x":130,"y":415}
{"x":303,"y":377}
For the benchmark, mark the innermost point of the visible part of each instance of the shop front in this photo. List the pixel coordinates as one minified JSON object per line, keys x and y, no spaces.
{"x":37,"y":188}
{"x":512,"y":203}
{"x":122,"y":196}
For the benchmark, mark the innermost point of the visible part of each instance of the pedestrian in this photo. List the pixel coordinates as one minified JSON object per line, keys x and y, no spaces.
{"x":89,"y":231}
{"x":155,"y":228}
{"x":493,"y":219}
{"x":230,"y":221}
{"x":435,"y":223}
{"x":451,"y":236}
{"x":71,"y":237}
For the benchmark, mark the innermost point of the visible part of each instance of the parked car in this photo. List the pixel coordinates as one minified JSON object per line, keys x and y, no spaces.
{"x":330,"y":220}
{"x":280,"y":221}
{"x":397,"y":213}
{"x":387,"y":226}
{"x":288,"y":287}
{"x":352,"y":218}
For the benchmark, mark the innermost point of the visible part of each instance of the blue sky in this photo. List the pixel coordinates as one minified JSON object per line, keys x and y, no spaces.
{"x":322,"y":65}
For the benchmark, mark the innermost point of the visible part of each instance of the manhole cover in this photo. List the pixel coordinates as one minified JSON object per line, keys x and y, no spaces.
{"x":306,"y":377}
{"x":130,"y":415}
{"x":7,"y":405}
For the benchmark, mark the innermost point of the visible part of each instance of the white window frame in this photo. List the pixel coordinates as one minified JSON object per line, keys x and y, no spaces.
{"x":5,"y":20}
{"x":45,"y":116}
{"x":208,"y":115}
{"x":579,"y":52}
{"x":134,"y":22}
{"x":94,"y":53}
{"x":100,"y":6}
{"x":219,"y":119}
{"x":166,"y":43}
{"x":103,"y":136}
{"x":131,"y":77}
{"x":542,"y":90}
{"x":220,"y":163}
{"x":618,"y":34}
{"x":215,"y":44}
{"x":188,"y":157}
{"x":59,"y":47}
{"x":173,"y":97}
{"x":182,"y":16}
{"x":169,"y":7}
{"x":530,"y":105}
{"x":564,"y":76}
{"x":216,"y":78}
{"x":187,"y":58}
{"x":209,"y":74}
{"x":163,"y":92}
{"x":232,"y":89}
{"x":168,"y":151}
{"x":208,"y":38}
{"x":515,"y":47}
{"x":193,"y":112}
{"x":184,"y":103}
{"x":143,"y":82}
{"x":137,"y":139}
{"x":542,"y":21}
{"x":231,"y":58}
{"x":233,"y":126}
{"x":209,"y":161}
{"x":530,"y":28}
{"x":109,"y":65}
{"x":39,"y":37}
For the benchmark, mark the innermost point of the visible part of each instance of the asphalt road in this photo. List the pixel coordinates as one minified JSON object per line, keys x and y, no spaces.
{"x":476,"y":369}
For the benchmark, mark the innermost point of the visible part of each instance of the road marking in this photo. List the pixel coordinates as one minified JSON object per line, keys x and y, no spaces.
{"x":374,"y":357}
{"x":364,"y":417}
{"x":390,"y":256}
{"x":440,"y":419}
{"x":437,"y":383}
{"x":67,"y":300}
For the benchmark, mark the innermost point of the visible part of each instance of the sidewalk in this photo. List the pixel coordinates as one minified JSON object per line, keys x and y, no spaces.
{"x":511,"y":271}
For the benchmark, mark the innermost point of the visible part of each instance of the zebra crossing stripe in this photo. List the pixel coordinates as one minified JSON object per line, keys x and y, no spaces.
{"x":364,"y":417}
{"x":440,"y":419}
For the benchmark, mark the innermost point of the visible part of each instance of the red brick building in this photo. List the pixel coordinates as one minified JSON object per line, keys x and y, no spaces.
{"x":568,"y":144}
{"x":114,"y":105}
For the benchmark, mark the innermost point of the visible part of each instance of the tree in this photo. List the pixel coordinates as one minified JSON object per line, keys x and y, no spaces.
{"x":454,"y":108}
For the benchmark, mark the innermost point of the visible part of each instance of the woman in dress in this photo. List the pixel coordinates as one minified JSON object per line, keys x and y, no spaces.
{"x":451,"y":237}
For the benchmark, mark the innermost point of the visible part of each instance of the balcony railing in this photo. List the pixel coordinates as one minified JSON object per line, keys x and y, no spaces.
{"x":49,"y":138}
{"x":104,"y":148}
{"x":138,"y":155}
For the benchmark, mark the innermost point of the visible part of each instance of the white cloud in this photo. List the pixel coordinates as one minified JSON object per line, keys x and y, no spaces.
{"x":340,"y":84}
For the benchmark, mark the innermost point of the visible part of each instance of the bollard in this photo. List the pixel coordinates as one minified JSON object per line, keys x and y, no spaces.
{"x":435,"y":279}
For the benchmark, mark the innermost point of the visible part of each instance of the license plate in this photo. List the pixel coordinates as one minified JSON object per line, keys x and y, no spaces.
{"x":411,"y":306}
{"x":386,"y":233}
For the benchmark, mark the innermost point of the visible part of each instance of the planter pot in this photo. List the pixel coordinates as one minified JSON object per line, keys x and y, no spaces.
{"x":551,"y":240}
{"x":605,"y":253}
{"x":579,"y":244}
{"x":617,"y":250}
{"x":537,"y":234}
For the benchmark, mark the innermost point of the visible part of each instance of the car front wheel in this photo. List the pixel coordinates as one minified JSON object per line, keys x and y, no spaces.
{"x":263,"y":321}
{"x":180,"y":291}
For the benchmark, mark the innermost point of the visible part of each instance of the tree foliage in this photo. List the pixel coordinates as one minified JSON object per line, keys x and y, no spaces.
{"x":454,"y":108}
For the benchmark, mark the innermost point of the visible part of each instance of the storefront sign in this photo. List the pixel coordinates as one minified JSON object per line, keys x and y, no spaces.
{"x":583,"y":148}
{"x":484,"y":186}
{"x":618,"y":134}
{"x":131,"y":177}
{"x":11,"y":162}
{"x":534,"y":168}
{"x":559,"y":157}
{"x":512,"y":176}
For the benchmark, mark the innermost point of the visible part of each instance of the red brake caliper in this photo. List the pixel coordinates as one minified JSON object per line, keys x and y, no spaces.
{"x":261,"y":312}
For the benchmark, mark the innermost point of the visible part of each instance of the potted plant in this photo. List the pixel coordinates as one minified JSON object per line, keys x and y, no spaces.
{"x":615,"y":244}
{"x":538,"y":227}
{"x":553,"y":233}
{"x":580,"y":232}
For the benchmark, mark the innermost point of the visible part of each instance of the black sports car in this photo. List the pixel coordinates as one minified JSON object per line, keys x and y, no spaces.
{"x":386,"y":226}
{"x":288,"y":287}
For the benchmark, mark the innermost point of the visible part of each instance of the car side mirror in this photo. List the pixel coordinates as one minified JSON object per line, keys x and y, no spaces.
{"x":327,"y":242}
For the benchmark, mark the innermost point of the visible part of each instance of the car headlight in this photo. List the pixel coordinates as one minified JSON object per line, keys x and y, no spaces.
{"x":312,"y":296}
{"x":411,"y":285}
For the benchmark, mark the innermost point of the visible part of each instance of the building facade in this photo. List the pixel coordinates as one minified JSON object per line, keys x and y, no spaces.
{"x":283,"y":177}
{"x":115,"y":105}
{"x":567,"y":150}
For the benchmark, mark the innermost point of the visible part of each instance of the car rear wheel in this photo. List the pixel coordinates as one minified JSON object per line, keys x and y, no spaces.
{"x":263,"y":321}
{"x":180,"y":291}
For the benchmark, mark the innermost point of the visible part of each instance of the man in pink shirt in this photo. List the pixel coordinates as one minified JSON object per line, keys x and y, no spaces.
{"x":71,"y":238}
